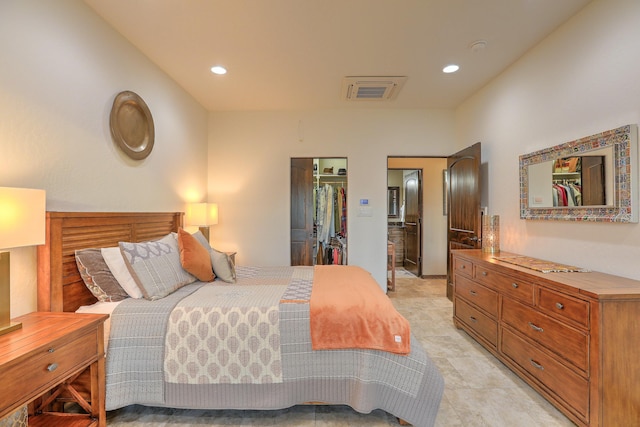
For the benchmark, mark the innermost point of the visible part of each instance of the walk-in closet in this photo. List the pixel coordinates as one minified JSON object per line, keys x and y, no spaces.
{"x":319,"y":211}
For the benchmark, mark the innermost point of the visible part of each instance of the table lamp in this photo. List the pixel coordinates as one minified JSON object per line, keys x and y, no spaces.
{"x":22,"y":223}
{"x":203,"y":215}
{"x":491,"y":234}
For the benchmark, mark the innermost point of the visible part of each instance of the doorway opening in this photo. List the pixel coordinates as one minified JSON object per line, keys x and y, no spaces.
{"x":418,"y":231}
{"x":318,"y":211}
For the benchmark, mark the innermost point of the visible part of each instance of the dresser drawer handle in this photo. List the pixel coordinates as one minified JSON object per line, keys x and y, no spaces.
{"x":51,"y":350}
{"x":463,"y":267}
{"x":559,"y":306}
{"x":515,"y":285}
{"x":536,"y":328}
{"x":52,"y":367}
{"x":484,"y":273}
{"x":536,"y":364}
{"x":473,"y":319}
{"x":474,"y":293}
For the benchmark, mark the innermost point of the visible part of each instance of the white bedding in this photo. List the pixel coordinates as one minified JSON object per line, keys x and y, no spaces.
{"x":101,"y":308}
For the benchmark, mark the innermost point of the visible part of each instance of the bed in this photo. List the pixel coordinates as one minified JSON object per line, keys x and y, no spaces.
{"x":279,"y":351}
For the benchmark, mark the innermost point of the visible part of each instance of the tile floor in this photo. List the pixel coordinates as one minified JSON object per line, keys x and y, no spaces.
{"x":479,"y":390}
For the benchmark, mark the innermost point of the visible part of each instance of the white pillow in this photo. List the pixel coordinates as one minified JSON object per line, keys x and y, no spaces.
{"x":223,"y":266}
{"x":115,"y":261}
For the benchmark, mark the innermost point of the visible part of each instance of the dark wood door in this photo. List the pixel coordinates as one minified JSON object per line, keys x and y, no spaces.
{"x":412,"y":261}
{"x":302,"y":238}
{"x":464,"y":217}
{"x":593,"y":192}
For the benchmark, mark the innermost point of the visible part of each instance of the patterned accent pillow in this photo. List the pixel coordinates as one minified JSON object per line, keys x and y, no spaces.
{"x":156,"y":266}
{"x":98,"y":277}
{"x":194,"y":257}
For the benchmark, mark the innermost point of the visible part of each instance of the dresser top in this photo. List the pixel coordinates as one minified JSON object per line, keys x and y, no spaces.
{"x":592,"y":283}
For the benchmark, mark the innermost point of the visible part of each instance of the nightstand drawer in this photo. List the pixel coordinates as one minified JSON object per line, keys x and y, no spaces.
{"x":41,"y":370}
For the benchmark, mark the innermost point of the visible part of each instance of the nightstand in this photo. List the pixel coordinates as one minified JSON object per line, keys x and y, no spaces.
{"x":40,"y":362}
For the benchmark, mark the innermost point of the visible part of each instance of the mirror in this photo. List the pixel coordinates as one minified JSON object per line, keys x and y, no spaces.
{"x":590,"y":179}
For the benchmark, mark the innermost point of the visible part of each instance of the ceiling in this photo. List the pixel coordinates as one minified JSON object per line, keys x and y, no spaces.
{"x":294,"y":54}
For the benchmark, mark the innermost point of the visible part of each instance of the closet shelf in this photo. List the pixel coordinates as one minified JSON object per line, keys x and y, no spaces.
{"x":566,"y":174}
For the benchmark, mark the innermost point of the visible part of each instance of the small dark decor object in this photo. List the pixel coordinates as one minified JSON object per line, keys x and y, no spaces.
{"x":342,"y":171}
{"x":132,"y":125}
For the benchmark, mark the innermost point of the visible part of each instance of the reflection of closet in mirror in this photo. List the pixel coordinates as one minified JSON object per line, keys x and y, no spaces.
{"x":573,"y":181}
{"x":330,"y":210}
{"x":609,"y":191}
{"x":579,"y":181}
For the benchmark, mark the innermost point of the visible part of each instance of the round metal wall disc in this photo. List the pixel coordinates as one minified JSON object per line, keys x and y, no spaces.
{"x":132,"y":125}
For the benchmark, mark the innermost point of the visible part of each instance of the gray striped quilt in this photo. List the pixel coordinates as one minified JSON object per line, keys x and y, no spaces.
{"x":409,"y":387}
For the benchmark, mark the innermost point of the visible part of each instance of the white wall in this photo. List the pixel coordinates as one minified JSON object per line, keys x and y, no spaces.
{"x":249,"y":168}
{"x":581,"y":80}
{"x":61,"y":69}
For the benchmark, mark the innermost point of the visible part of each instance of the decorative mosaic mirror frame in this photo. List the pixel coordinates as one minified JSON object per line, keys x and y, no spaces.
{"x":624,"y":208}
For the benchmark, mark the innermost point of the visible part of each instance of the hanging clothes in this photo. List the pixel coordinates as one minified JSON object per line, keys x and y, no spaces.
{"x":331,"y":224}
{"x":566,"y":194}
{"x":325,"y":213}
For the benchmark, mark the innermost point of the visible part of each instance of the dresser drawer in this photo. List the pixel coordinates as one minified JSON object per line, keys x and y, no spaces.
{"x":482,"y":324}
{"x":462,"y":266}
{"x":567,"y":342}
{"x":562,"y":381}
{"x":505,"y":284}
{"x":564,"y":307}
{"x":477,"y":294}
{"x":41,"y":370}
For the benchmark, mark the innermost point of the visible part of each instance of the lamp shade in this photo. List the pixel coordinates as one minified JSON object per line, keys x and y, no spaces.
{"x":202,"y":214}
{"x":22,"y":217}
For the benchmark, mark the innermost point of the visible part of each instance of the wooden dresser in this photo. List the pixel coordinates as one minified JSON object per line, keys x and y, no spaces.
{"x":40,"y":361}
{"x":572,"y":336}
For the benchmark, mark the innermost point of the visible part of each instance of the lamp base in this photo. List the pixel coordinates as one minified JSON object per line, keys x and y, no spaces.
{"x":6,"y":325}
{"x":13,"y":326}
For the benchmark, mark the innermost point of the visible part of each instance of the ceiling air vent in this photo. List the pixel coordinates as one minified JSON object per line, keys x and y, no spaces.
{"x":361,"y":88}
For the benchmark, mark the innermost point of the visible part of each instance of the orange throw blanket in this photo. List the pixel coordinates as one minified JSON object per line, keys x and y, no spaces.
{"x":349,"y":310}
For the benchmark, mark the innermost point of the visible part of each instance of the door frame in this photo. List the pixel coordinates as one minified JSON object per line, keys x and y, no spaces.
{"x":318,"y":177}
{"x":430,"y":222}
{"x":423,"y":202}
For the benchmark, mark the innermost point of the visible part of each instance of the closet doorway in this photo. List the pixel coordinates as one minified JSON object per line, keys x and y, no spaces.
{"x":318,"y":211}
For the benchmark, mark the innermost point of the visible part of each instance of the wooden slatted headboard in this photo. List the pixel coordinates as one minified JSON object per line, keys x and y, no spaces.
{"x":60,"y":287}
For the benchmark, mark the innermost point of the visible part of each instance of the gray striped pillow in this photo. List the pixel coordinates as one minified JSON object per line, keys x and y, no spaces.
{"x":156,"y":266}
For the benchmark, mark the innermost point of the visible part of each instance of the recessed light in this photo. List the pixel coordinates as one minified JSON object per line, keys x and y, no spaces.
{"x":218,"y":70}
{"x":450,"y":68}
